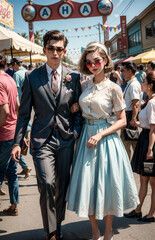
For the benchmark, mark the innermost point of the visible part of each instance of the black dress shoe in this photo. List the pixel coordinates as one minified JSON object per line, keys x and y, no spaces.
{"x":133,"y":214}
{"x":145,"y":219}
{"x":59,"y":234}
{"x":51,"y":236}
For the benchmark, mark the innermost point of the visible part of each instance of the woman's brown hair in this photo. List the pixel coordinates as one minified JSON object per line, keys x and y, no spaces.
{"x":93,"y":48}
{"x":150,"y":78}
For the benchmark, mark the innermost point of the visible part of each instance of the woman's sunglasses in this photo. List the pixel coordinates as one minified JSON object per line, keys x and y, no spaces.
{"x":96,"y":63}
{"x":51,"y":49}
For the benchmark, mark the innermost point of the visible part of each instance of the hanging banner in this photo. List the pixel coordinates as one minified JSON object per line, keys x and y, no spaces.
{"x":124,"y":32}
{"x":6,"y":14}
{"x":119,"y":45}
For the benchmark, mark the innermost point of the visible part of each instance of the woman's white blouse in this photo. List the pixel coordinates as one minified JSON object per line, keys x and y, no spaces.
{"x":98,"y":101}
{"x":147,"y":115}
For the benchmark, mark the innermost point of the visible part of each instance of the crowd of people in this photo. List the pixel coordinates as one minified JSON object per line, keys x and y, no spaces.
{"x":95,"y":178}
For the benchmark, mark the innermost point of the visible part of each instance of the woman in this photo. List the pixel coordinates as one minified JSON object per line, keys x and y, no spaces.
{"x":145,"y":149}
{"x":102,"y":183}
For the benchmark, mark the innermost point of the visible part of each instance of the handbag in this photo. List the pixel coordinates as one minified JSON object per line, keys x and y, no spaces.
{"x":149,"y":167}
{"x":24,"y":149}
{"x":130,"y":132}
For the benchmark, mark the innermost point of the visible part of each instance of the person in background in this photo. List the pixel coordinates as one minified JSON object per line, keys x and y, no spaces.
{"x":102,"y":183}
{"x":145,"y":150}
{"x":19,"y":77}
{"x":51,"y":90}
{"x":151,"y":66}
{"x":118,"y":76}
{"x":9,"y":70}
{"x":132,"y":96}
{"x":9,"y":104}
{"x":140,"y":74}
{"x":30,"y":67}
{"x":123,"y":85}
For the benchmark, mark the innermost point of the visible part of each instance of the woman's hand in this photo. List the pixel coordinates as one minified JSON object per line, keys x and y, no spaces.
{"x":75,"y":108}
{"x":94,"y":140}
{"x":26,"y":141}
{"x":149,"y":154}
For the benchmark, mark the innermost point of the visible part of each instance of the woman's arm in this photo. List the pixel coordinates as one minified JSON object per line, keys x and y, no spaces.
{"x":149,"y":154}
{"x":117,"y":75}
{"x":120,"y":123}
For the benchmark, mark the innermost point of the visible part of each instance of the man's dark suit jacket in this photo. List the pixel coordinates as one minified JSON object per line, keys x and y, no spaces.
{"x":49,"y":110}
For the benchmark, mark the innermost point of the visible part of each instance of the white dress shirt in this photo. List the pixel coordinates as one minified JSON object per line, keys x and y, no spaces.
{"x":132,"y":92}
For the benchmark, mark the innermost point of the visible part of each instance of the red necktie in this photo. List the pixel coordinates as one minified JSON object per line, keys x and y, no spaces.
{"x":54,"y":81}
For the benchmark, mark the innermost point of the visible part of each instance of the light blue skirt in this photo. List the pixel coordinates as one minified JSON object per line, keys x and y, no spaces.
{"x":102,"y":181}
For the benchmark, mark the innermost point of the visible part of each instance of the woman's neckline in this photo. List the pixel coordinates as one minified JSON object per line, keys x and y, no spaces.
{"x":102,"y":81}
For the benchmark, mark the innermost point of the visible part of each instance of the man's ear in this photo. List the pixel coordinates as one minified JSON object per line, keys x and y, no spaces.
{"x":44,"y":51}
{"x":65,"y":51}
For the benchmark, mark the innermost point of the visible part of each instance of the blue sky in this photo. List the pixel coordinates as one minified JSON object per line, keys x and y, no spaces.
{"x":75,"y":42}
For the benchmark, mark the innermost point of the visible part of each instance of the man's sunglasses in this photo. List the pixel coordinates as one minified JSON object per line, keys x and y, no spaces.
{"x":96,"y":63}
{"x":51,"y":49}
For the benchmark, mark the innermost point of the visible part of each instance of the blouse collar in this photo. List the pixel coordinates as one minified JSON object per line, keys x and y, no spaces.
{"x":98,"y":86}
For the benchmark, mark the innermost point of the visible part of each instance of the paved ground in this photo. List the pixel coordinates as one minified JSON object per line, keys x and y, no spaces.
{"x":28,"y":224}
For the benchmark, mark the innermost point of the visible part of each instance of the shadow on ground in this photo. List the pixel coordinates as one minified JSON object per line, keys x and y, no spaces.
{"x":72,"y":231}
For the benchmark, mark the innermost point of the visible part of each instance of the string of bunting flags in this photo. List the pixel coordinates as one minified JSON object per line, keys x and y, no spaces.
{"x":103,"y":27}
{"x":88,"y":35}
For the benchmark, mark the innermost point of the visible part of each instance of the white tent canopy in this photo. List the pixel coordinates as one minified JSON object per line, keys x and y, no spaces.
{"x":11,"y":41}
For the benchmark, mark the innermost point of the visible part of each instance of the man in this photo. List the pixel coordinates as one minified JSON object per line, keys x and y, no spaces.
{"x":51,"y":90}
{"x":9,"y":70}
{"x":19,"y":76}
{"x":9,"y":104}
{"x":140,"y":75}
{"x":132,"y":95}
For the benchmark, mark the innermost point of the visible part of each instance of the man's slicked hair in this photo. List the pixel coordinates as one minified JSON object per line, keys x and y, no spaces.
{"x":130,"y":66}
{"x":54,"y":35}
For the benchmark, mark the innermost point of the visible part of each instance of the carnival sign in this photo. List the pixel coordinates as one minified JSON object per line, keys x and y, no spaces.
{"x":6,"y":14}
{"x":65,"y":9}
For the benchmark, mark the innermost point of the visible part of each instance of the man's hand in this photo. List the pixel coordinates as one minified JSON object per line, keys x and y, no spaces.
{"x":16,"y":153}
{"x":74,"y":108}
{"x":75,"y":136}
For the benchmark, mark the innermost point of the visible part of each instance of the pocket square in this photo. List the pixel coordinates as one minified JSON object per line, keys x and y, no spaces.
{"x":69,"y":90}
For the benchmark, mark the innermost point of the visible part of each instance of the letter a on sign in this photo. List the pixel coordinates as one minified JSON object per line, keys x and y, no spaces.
{"x":45,"y":13}
{"x":85,"y":9}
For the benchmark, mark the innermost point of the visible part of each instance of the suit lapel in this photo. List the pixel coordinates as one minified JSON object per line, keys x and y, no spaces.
{"x":45,"y":83}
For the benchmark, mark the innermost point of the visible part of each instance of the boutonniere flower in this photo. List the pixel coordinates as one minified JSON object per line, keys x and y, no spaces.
{"x":67,"y":79}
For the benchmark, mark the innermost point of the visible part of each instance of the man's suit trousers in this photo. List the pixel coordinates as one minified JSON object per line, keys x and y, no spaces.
{"x":52,"y":163}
